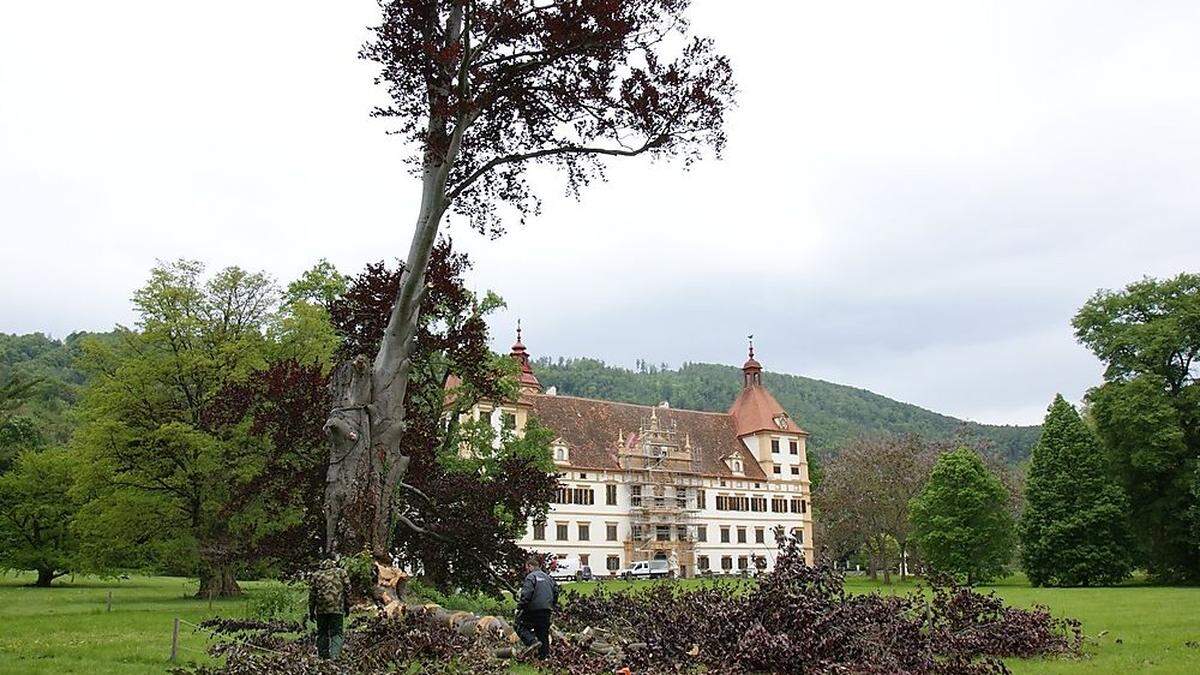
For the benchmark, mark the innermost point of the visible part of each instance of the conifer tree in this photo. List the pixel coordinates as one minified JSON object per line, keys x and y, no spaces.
{"x":1074,"y":531}
{"x":961,"y":520}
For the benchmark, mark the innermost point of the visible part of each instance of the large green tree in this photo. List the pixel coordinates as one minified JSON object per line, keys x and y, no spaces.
{"x":161,"y":469}
{"x":863,"y":500}
{"x":1147,"y":412}
{"x":37,"y":508}
{"x":961,"y":519}
{"x":1074,"y":530}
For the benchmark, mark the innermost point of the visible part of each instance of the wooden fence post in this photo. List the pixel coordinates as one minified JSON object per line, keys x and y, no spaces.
{"x":175,"y":641}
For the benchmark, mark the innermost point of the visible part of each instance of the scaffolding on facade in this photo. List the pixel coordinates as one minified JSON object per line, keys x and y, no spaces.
{"x":658,"y":465}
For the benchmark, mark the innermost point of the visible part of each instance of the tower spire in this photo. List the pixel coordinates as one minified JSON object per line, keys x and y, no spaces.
{"x":528,"y":381}
{"x":751,"y":370}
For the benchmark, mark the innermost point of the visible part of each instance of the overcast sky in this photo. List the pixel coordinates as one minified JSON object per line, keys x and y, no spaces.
{"x":915,"y":199}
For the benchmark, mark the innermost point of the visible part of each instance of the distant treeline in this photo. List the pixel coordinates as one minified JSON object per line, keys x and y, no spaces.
{"x":833,"y":413}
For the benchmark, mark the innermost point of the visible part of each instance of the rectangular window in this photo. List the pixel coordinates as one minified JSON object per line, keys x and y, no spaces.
{"x":584,"y":496}
{"x":662,"y":533}
{"x":743,"y":562}
{"x":635,"y":532}
{"x":775,"y":446}
{"x":539,"y":531}
{"x":702,"y":563}
{"x":726,"y":563}
{"x":610,"y":531}
{"x":635,"y":495}
{"x":560,"y":531}
{"x":613,"y":563}
{"x":741,"y":535}
{"x":610,"y":495}
{"x":795,"y":471}
{"x":701,"y":498}
{"x":584,"y":559}
{"x":803,"y":506}
{"x":721,"y":502}
{"x":779,"y":505}
{"x":585,"y":532}
{"x":794,"y":447}
{"x":760,"y":535}
{"x":681,"y":533}
{"x":776,"y":469}
{"x":724,"y":535}
{"x":701,"y":533}
{"x":758,"y":504}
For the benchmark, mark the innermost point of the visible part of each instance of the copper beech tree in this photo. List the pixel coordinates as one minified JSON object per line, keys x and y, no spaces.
{"x":483,"y":90}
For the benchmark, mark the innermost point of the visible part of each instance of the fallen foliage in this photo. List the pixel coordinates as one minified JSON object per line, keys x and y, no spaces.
{"x":796,"y":619}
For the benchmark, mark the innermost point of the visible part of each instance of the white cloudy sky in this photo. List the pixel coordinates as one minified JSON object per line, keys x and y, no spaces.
{"x":915,"y":198}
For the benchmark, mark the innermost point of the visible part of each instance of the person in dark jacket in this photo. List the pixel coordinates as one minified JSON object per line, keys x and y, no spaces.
{"x":539,"y":596}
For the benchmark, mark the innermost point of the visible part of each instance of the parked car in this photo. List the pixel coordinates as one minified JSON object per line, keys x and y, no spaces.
{"x":647,"y":569}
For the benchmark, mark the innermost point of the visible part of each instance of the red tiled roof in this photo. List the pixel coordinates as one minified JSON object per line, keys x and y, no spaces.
{"x":591,"y":429}
{"x":756,"y":410}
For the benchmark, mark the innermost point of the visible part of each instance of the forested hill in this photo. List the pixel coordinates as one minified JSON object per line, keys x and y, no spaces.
{"x":832,"y":413}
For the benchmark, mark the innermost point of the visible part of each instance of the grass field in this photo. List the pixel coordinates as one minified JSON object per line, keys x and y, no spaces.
{"x":66,"y":629}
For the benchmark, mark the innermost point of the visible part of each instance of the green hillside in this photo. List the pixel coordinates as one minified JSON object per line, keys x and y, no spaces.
{"x":832,"y":413}
{"x":44,"y":415}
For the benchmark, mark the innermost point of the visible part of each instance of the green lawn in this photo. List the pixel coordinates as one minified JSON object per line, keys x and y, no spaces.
{"x":66,"y":629}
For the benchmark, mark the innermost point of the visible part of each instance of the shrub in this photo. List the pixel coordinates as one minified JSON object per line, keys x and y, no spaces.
{"x":274,"y":602}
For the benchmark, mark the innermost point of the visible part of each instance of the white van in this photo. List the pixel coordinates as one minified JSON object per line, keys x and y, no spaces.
{"x":647,"y":569}
{"x":565,"y":568}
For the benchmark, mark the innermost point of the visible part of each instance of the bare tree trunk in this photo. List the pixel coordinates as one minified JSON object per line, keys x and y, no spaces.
{"x":366,"y":424}
{"x":45,"y":577}
{"x":217,"y":581}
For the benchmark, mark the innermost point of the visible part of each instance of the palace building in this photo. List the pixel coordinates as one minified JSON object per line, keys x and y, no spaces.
{"x":706,"y":491}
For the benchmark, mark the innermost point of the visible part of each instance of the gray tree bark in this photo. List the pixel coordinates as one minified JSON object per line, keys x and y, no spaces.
{"x":367,"y":422}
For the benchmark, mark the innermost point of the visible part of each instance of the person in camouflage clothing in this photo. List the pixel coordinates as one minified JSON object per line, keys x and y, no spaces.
{"x":328,"y":605}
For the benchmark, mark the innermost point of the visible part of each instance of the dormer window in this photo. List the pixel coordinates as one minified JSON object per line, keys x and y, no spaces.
{"x":781,"y":420}
{"x":735,"y":464}
{"x":561,"y":454}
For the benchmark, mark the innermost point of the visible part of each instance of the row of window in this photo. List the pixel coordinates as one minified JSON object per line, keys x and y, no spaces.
{"x":583,"y":530}
{"x":586,"y":496}
{"x":743,"y":562}
{"x":759,"y":504}
{"x":612,"y":563}
{"x":659,"y":533}
{"x":779,"y":470}
{"x":793,"y":446}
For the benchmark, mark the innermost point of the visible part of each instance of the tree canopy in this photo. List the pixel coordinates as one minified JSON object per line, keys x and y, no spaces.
{"x":37,"y":509}
{"x":1147,"y":412}
{"x":1074,"y":529}
{"x":961,"y":519}
{"x":863,"y":499}
{"x":160,"y":468}
{"x":484,"y":89}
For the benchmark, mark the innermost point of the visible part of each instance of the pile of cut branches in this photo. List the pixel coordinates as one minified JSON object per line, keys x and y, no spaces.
{"x":795,"y":619}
